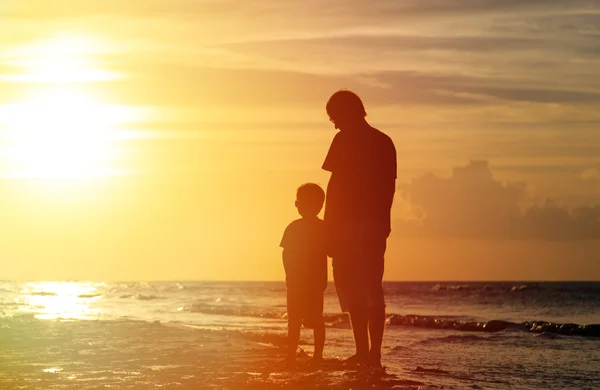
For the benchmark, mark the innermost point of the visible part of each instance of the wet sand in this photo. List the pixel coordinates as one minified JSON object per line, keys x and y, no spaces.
{"x":41,"y":354}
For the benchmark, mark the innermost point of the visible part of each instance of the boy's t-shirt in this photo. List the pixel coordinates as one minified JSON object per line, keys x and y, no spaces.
{"x":305,"y":256}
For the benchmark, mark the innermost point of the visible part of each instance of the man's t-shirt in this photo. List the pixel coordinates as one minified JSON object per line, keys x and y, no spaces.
{"x":363,"y":175}
{"x":305,"y":257}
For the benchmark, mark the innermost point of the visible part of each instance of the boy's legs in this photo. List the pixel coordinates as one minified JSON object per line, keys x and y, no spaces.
{"x":315,"y":320}
{"x":376,"y":327}
{"x":293,"y":338}
{"x":294,"y":305}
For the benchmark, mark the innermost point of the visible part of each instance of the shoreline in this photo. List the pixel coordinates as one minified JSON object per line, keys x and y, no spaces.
{"x":42,"y":354}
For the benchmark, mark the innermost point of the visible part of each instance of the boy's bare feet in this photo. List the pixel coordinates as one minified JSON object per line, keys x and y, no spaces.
{"x":289,"y":363}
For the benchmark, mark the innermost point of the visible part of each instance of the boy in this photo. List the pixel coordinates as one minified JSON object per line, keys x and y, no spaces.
{"x":305,"y":263}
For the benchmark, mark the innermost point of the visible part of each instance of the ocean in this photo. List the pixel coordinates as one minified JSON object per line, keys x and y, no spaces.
{"x":525,"y":335}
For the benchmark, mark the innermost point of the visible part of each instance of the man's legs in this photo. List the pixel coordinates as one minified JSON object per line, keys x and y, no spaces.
{"x":360,"y":275}
{"x":319,"y":336}
{"x":346,"y":286}
{"x":359,"y":317}
{"x":376,"y":300}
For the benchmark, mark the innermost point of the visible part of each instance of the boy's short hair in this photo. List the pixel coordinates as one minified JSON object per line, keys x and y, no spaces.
{"x":311,"y":195}
{"x":345,"y":103}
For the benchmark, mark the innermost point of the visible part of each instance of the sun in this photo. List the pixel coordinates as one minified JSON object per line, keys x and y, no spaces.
{"x":61,"y":134}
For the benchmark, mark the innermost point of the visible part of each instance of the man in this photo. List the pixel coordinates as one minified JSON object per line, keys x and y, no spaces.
{"x":362,"y":162}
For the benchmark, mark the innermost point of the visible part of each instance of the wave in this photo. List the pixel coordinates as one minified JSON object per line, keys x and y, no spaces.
{"x":141,"y":297}
{"x":524,"y":287}
{"x":236,"y":311}
{"x":400,"y":348}
{"x":455,"y":339}
{"x":479,"y":287}
{"x":341,"y":320}
{"x":89,"y":295}
{"x":43,"y":294}
{"x":458,"y":287}
{"x":432,"y":322}
{"x":434,"y":371}
{"x":334,"y":319}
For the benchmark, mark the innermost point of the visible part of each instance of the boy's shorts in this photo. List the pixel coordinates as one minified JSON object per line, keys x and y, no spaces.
{"x":305,"y":306}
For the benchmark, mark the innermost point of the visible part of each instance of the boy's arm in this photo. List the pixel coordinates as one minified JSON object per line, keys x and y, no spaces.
{"x":284,"y":244}
{"x":286,"y":261}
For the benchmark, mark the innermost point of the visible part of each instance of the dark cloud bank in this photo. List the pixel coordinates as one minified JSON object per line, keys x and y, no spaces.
{"x":471,"y":203}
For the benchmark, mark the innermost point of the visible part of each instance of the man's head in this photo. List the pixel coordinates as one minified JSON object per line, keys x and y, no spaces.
{"x":345,"y":110}
{"x":309,"y":199}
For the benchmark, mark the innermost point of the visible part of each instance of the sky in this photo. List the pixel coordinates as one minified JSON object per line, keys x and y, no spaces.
{"x":165,"y":140}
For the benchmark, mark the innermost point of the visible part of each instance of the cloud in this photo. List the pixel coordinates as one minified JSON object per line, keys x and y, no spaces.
{"x":553,"y":220}
{"x":471,"y":203}
{"x":382,"y":40}
{"x":186,"y":85}
{"x":380,"y":8}
{"x":591,"y":174}
{"x":425,"y":52}
{"x":504,"y":89}
{"x":172,"y":84}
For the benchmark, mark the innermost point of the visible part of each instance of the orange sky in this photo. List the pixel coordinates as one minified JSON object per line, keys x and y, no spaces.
{"x":152,"y":140}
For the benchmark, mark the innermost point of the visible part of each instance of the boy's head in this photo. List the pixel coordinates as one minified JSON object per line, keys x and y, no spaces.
{"x":309,"y":199}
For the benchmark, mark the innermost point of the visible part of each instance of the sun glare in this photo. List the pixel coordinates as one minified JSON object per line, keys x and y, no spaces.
{"x":62,"y":59}
{"x":61,"y":132}
{"x":60,"y":300}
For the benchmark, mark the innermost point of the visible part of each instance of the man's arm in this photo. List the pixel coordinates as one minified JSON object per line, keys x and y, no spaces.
{"x":383,"y":204}
{"x":388,"y":185}
{"x":334,"y":195}
{"x":389,"y":189}
{"x":331,"y":163}
{"x":334,"y":190}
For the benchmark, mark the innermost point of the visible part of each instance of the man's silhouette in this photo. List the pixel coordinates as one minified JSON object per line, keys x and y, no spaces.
{"x":362,"y":162}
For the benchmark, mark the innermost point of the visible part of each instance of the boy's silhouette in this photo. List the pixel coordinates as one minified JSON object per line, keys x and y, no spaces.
{"x":305,"y":263}
{"x":362,"y":162}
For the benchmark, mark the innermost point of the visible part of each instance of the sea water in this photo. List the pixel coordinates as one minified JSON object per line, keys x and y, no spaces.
{"x":463,"y":335}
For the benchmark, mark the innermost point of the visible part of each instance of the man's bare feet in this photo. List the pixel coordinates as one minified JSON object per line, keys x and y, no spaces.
{"x":375,"y":361}
{"x":356,"y":360}
{"x":315,"y":361}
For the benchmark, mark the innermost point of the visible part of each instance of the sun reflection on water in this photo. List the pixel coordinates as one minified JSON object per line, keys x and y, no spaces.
{"x":61,"y":300}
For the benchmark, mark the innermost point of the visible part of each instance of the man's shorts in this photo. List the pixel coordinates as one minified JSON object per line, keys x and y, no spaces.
{"x":358,"y":271}
{"x":305,"y":306}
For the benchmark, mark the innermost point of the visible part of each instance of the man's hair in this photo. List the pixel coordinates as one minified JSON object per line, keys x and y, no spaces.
{"x":345,"y":103}
{"x":311,"y":195}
